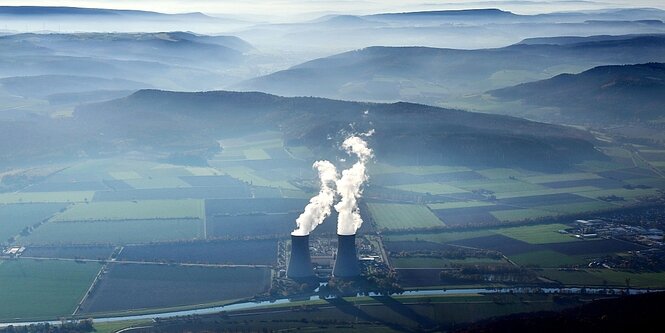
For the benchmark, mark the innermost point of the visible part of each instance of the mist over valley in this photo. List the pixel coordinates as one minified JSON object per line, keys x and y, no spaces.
{"x":331,"y":165}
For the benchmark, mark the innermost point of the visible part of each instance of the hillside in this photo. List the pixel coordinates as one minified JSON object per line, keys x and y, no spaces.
{"x":177,"y":121}
{"x":431,"y":75}
{"x":23,"y":11}
{"x":166,"y":60}
{"x":606,"y":94}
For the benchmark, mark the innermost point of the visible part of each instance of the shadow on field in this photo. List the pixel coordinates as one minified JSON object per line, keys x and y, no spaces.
{"x":352,"y":310}
{"x":405,"y":311}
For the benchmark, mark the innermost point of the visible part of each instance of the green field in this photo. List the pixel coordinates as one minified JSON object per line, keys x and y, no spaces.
{"x":533,"y":234}
{"x":545,"y":191}
{"x":620,"y":192}
{"x":202,"y":171}
{"x":46,"y":197}
{"x":403,"y":216}
{"x":125,"y":175}
{"x":43,"y":289}
{"x":381,"y":168}
{"x":133,"y":210}
{"x":248,"y":175}
{"x":497,"y":185}
{"x":557,"y":177}
{"x":116,"y":232}
{"x":460,"y":204}
{"x":500,"y":173}
{"x":578,"y":207}
{"x":572,"y":277}
{"x":256,"y":154}
{"x":14,"y":218}
{"x":598,"y":166}
{"x":431,"y":188}
{"x":441,"y":237}
{"x":637,"y":280}
{"x":514,"y":215}
{"x":431,"y":262}
{"x":249,"y":147}
{"x":538,"y":234}
{"x":164,"y":182}
{"x":546,"y":258}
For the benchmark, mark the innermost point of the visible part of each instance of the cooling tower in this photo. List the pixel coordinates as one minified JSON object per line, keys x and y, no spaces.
{"x":346,"y":263}
{"x":300,"y":262}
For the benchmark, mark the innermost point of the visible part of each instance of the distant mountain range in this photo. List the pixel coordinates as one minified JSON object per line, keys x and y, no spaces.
{"x":405,"y":132}
{"x":431,"y":75}
{"x":78,"y":11}
{"x":605,"y":94}
{"x":167,"y":60}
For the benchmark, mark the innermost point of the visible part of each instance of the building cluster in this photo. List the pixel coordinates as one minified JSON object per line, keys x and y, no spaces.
{"x":651,"y":237}
{"x":13,"y":251}
{"x":323,"y":257}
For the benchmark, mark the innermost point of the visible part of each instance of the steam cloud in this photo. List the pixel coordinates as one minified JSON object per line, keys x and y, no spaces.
{"x":349,"y":186}
{"x":319,"y":206}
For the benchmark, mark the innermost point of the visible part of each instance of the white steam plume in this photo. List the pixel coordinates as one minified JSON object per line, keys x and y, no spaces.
{"x":349,"y":186}
{"x":319,"y":206}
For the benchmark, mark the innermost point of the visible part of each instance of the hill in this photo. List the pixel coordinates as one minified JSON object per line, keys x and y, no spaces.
{"x":80,"y":11}
{"x":605,"y":94}
{"x":431,"y":75}
{"x":167,"y":60}
{"x":405,"y":132}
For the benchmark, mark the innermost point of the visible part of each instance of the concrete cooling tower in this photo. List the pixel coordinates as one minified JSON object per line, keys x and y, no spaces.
{"x":346,"y":263}
{"x":300,"y":262}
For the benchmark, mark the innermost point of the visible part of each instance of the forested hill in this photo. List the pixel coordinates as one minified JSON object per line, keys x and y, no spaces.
{"x":404,"y":131}
{"x":429,"y":75}
{"x":606,"y":94}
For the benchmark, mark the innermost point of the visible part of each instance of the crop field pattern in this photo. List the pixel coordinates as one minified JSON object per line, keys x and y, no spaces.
{"x":15,"y":217}
{"x":239,"y":252}
{"x":128,"y":210}
{"x":400,"y":216}
{"x":43,"y":289}
{"x":115,"y":232}
{"x":127,"y":287}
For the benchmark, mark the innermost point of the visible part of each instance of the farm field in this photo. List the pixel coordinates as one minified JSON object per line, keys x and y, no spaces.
{"x":15,"y":217}
{"x":43,"y":289}
{"x":278,"y":224}
{"x":46,"y":197}
{"x":254,"y":206}
{"x":239,"y":252}
{"x":241,"y":191}
{"x":402,"y":216}
{"x":134,"y":287}
{"x":538,"y":234}
{"x":547,"y":258}
{"x":133,"y":210}
{"x":515,"y":215}
{"x":534,"y":234}
{"x":432,"y":262}
{"x":115,"y":232}
{"x":162,"y":182}
{"x":69,"y":252}
{"x":432,"y":188}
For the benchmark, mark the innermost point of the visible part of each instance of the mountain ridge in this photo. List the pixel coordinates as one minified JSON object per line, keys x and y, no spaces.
{"x":607,"y":94}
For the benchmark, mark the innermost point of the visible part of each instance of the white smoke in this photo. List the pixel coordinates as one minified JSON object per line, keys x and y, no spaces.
{"x":319,"y":206}
{"x":349,"y":186}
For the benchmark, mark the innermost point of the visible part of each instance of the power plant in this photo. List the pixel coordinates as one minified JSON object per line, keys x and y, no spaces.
{"x":346,"y":263}
{"x":300,"y":262}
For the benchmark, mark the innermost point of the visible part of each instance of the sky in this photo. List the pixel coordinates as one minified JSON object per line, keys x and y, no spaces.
{"x":296,"y":8}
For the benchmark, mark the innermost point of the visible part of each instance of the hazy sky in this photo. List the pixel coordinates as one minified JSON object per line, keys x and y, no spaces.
{"x":290,"y":8}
